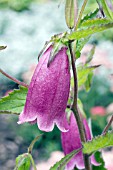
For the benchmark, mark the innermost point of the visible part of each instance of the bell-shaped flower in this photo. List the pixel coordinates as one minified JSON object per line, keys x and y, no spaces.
{"x":71,"y":141}
{"x":48,"y":92}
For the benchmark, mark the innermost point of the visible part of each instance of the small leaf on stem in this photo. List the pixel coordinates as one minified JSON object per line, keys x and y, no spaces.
{"x":89,"y":16}
{"x":62,"y":163}
{"x":82,"y":33}
{"x":90,"y":55}
{"x":79,"y":46}
{"x":95,"y":22}
{"x":82,"y":73}
{"x":2,"y":47}
{"x":97,"y":143}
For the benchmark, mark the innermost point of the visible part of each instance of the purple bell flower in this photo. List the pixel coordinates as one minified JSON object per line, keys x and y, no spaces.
{"x":48,"y":92}
{"x":71,"y":141}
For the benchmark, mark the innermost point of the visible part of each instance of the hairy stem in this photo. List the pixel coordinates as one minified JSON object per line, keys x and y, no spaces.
{"x":13,"y":79}
{"x":107,"y":126}
{"x":74,"y":106}
{"x":30,"y":148}
{"x":75,"y":110}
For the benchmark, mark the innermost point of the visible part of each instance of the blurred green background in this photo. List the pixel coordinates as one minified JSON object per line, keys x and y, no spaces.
{"x":24,"y":27}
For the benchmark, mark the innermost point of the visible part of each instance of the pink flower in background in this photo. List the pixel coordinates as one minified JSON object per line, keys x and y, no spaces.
{"x":108,"y":158}
{"x":98,"y":110}
{"x":48,"y":92}
{"x":71,"y":141}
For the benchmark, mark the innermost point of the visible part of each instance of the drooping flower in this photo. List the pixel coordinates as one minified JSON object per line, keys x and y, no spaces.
{"x":71,"y":141}
{"x":48,"y":92}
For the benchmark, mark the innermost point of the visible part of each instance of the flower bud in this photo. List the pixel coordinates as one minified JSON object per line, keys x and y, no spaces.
{"x":71,"y":13}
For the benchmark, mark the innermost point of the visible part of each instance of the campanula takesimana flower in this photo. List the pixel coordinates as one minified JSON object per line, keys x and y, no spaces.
{"x":48,"y":92}
{"x":71,"y":141}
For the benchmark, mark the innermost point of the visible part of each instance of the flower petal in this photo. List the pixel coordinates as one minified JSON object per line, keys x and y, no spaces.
{"x":48,"y":92}
{"x":89,"y":137}
{"x":71,"y":141}
{"x":93,"y":161}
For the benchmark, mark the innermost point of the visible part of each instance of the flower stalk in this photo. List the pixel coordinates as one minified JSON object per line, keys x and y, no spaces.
{"x":30,"y":148}
{"x":75,"y":110}
{"x":13,"y":79}
{"x":107,"y":126}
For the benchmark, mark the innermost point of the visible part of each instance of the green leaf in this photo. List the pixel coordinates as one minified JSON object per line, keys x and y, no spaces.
{"x":2,"y":47}
{"x":95,"y":22}
{"x":80,"y":106}
{"x":71,"y":13}
{"x":89,"y":147}
{"x":85,"y":75}
{"x":89,"y":31}
{"x":81,"y":13}
{"x":98,"y":157}
{"x":98,"y":143}
{"x":23,"y":162}
{"x":82,"y":73}
{"x":90,"y":55}
{"x":106,"y":9}
{"x":62,"y":163}
{"x":14,"y":102}
{"x":88,"y":81}
{"x":90,"y":16}
{"x":80,"y":44}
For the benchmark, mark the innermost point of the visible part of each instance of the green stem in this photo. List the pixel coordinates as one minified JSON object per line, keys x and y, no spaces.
{"x":80,"y":15}
{"x":75,"y":110}
{"x":74,"y":106}
{"x":32,"y":143}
